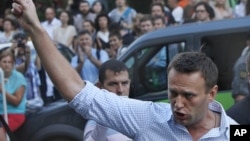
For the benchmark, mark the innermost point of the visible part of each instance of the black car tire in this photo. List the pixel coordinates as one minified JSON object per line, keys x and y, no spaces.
{"x":58,"y":132}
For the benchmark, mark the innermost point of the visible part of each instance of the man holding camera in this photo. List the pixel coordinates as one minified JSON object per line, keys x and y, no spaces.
{"x":27,"y":66}
{"x":21,"y":51}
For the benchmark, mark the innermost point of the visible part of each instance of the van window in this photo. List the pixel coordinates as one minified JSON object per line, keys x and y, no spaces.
{"x":224,"y":49}
{"x":148,"y":67}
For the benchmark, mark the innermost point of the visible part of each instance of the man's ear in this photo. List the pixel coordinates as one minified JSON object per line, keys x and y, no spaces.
{"x":98,"y":84}
{"x":213,"y":93}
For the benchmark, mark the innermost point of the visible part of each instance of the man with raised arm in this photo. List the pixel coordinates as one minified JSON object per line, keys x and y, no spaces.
{"x":192,"y":114}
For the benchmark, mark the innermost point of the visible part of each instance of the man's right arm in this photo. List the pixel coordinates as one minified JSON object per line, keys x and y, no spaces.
{"x":65,"y":78}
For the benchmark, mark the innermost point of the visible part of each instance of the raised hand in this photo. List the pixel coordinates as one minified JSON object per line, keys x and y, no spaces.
{"x":25,"y":12}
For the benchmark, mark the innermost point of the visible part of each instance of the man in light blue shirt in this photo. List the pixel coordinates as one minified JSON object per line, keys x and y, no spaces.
{"x":88,"y":59}
{"x":192,"y":114}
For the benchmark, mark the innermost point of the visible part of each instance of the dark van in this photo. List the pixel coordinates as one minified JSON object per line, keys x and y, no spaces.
{"x":148,"y":57}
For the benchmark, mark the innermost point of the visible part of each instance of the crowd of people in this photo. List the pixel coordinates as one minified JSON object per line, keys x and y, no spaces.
{"x":96,"y":35}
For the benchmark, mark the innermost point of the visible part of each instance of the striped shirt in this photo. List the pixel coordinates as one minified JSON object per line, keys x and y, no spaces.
{"x":141,"y":120}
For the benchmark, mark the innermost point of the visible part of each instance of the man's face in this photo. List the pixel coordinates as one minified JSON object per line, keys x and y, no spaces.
{"x":114,"y":42}
{"x":201,"y":13}
{"x":146,"y":26}
{"x":85,"y":40}
{"x":188,"y":97}
{"x":88,"y":26}
{"x":157,"y":11}
{"x":118,"y":83}
{"x":158,"y":23}
{"x":120,"y":3}
{"x":84,"y":8}
{"x":49,"y":14}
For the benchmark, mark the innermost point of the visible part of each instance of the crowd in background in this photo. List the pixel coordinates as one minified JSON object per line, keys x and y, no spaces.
{"x":92,"y":15}
{"x":95,"y":34}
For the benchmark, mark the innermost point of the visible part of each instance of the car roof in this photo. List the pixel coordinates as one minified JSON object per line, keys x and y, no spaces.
{"x":213,"y":27}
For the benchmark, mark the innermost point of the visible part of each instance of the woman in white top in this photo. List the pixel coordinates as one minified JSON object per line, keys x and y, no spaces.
{"x":222,"y":10}
{"x":98,"y":7}
{"x":65,"y":33}
{"x":8,"y":31}
{"x":102,"y":23}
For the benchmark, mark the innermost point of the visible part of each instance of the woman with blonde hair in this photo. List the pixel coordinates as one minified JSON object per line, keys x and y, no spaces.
{"x":15,"y":91}
{"x":222,"y":10}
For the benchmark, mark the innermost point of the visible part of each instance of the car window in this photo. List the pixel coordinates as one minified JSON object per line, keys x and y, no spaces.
{"x":224,"y":49}
{"x":148,"y":68}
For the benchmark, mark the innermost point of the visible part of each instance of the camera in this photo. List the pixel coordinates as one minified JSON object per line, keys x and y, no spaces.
{"x":20,"y":37}
{"x":20,"y":43}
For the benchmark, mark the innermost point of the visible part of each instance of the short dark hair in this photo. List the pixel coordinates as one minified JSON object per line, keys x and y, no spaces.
{"x":159,"y":17}
{"x":97,"y":20}
{"x":157,"y":4}
{"x":89,"y":21}
{"x":146,"y":18}
{"x":84,"y":1}
{"x":102,"y":5}
{"x":208,"y":8}
{"x":116,"y":34}
{"x":113,"y":65}
{"x":190,"y":62}
{"x":83,"y":32}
